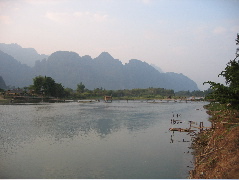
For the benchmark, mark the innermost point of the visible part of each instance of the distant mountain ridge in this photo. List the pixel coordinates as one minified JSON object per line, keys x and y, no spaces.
{"x":2,"y":83}
{"x":157,"y":68}
{"x":69,"y":68}
{"x":13,"y":72}
{"x":26,"y":56}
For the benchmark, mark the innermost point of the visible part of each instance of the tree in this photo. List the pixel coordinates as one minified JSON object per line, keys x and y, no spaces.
{"x":80,"y":88}
{"x":237,"y":43}
{"x":38,"y":83}
{"x":59,"y":90}
{"x":68,"y":92}
{"x":47,"y":86}
{"x":230,"y":92}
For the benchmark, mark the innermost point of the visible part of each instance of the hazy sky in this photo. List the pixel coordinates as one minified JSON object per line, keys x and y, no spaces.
{"x":193,"y":37}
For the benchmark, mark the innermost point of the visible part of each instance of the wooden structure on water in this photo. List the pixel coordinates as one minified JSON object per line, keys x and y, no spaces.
{"x":108,"y":99}
{"x":201,"y":127}
{"x":181,"y":130}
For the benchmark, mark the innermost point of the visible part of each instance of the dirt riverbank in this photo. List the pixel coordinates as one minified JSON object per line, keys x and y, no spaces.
{"x":217,"y":149}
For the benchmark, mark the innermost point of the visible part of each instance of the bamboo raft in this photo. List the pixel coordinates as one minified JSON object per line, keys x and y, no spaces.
{"x":201,"y":127}
{"x":181,"y":130}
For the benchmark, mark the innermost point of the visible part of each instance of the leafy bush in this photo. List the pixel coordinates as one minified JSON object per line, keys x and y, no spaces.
{"x":228,"y":93}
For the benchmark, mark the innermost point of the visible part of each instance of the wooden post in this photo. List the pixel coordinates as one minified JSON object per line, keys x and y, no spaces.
{"x":201,"y":126}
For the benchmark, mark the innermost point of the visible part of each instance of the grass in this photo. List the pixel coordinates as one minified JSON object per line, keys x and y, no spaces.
{"x":4,"y":101}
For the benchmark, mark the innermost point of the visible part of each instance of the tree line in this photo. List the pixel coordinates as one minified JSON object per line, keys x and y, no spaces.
{"x":46,"y":86}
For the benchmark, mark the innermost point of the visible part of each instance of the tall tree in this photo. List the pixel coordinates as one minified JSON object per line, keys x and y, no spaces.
{"x":230,"y":92}
{"x":47,"y":86}
{"x":38,"y":83}
{"x":59,"y":90}
{"x":80,"y":88}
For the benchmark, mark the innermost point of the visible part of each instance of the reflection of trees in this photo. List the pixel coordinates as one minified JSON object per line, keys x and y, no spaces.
{"x":138,"y":121}
{"x":64,"y":128}
{"x":67,"y":126}
{"x":70,"y":125}
{"x":106,"y":126}
{"x":54,"y":121}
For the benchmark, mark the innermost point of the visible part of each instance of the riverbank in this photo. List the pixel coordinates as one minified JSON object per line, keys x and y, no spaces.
{"x":216,"y":150}
{"x":29,"y":99}
{"x":37,"y":99}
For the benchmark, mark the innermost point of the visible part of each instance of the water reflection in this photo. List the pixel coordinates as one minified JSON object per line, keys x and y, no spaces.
{"x":127,"y":140}
{"x":83,"y":119}
{"x":106,"y":126}
{"x":60,"y":121}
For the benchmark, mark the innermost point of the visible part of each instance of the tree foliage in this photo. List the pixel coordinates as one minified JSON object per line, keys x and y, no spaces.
{"x":228,"y":93}
{"x":193,"y":93}
{"x":80,"y":88}
{"x":126,"y":93}
{"x":48,"y":87}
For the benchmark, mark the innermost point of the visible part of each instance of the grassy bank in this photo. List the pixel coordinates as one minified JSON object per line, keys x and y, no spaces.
{"x":217,"y":149}
{"x":4,"y":101}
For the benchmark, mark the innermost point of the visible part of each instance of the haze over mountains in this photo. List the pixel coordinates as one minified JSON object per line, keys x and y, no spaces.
{"x":69,"y":68}
{"x":24,"y":55}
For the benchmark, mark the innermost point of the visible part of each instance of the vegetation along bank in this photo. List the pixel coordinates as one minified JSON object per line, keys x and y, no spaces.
{"x":217,"y":149}
{"x":46,"y":89}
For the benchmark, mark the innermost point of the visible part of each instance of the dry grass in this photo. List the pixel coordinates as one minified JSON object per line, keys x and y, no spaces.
{"x":217,"y":150}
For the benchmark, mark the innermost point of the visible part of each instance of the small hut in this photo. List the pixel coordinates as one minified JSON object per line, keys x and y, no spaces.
{"x":108,"y":99}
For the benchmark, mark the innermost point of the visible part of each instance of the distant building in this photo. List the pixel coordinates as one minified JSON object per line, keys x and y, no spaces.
{"x":15,"y":92}
{"x":108,"y":98}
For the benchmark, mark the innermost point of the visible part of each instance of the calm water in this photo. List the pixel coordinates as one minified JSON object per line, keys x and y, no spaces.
{"x":96,"y":140}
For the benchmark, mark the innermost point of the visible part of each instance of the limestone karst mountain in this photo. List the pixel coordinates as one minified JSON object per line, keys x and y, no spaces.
{"x":2,"y":83}
{"x":26,"y":56}
{"x":69,"y":68}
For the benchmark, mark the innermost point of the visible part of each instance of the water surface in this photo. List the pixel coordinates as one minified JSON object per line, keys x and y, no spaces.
{"x":97,"y":140}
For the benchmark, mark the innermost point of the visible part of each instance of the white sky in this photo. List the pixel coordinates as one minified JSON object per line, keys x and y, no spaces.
{"x":193,"y":37}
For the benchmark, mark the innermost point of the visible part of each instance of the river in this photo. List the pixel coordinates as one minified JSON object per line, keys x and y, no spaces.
{"x":97,"y":140}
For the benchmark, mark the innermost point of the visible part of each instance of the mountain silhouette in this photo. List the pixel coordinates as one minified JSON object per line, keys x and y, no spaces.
{"x":69,"y":69}
{"x":26,"y":56}
{"x":13,"y":72}
{"x":2,"y":83}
